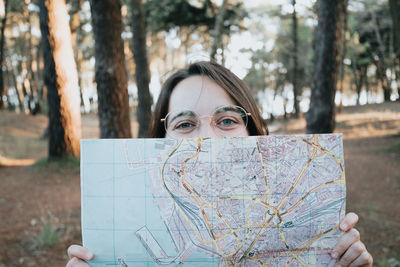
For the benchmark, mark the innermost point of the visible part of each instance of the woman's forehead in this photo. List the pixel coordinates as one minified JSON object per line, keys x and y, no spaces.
{"x":200,"y":94}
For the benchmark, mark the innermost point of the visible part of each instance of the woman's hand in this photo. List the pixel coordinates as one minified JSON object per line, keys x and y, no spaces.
{"x":350,"y":251}
{"x":77,"y":255}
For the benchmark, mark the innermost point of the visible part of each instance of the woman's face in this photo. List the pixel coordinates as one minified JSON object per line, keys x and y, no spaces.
{"x":204,"y":98}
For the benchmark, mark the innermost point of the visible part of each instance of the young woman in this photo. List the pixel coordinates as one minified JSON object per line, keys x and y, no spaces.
{"x":208,"y":100}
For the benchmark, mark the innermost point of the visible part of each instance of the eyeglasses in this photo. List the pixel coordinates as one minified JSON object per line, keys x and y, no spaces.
{"x":226,"y":121}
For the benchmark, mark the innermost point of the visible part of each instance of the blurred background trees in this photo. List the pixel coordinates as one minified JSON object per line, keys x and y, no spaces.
{"x":125,"y":50}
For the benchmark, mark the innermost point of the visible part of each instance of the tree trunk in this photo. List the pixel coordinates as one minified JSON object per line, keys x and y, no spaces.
{"x":2,"y":44}
{"x":61,"y":80}
{"x":10,"y":106}
{"x":142,"y":72}
{"x":28,"y":89}
{"x":382,"y":77}
{"x":367,"y":87}
{"x":395,"y":12}
{"x":31,"y":75}
{"x":359,"y":73}
{"x":18,"y":90}
{"x":22,"y":86}
{"x":76,"y":42}
{"x":397,"y":74}
{"x":295,"y":60}
{"x":112,"y":88}
{"x":39,"y":70}
{"x":381,"y":63}
{"x":217,"y":31}
{"x":327,"y":42}
{"x":343,"y":53}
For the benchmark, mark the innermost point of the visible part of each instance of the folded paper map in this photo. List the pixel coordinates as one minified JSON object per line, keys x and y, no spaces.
{"x":243,"y":201}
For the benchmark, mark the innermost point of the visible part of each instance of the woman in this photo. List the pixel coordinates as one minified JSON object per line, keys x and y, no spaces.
{"x":208,"y":100}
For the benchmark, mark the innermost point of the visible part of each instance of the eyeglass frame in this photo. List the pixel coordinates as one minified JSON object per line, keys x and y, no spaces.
{"x":248,"y":114}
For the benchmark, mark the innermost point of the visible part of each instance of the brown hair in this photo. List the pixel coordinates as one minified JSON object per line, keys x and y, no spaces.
{"x":228,"y":81}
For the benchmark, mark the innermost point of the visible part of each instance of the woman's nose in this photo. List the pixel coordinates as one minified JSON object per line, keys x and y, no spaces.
{"x":207,"y":130}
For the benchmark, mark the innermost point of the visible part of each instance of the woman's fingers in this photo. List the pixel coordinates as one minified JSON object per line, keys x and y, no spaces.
{"x":75,"y":262}
{"x":349,"y":221}
{"x":79,"y":252}
{"x":355,"y":251}
{"x":365,"y":259}
{"x":345,"y":242}
{"x":350,"y":251}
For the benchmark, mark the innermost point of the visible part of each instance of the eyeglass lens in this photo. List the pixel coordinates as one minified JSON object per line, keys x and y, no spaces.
{"x":227,"y":121}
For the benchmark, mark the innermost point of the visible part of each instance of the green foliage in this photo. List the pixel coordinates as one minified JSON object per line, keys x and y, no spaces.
{"x":394,"y":148}
{"x":15,"y":5}
{"x":49,"y":235}
{"x":256,"y":77}
{"x":365,"y":23}
{"x":370,"y":42}
{"x":68,"y":162}
{"x":283,"y":51}
{"x":388,"y":262}
{"x":164,"y":15}
{"x":366,"y":27}
{"x":274,"y":68}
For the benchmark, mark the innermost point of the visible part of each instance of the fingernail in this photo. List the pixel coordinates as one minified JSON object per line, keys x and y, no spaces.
{"x":89,"y":255}
{"x":334,"y":254}
{"x":344,"y":227}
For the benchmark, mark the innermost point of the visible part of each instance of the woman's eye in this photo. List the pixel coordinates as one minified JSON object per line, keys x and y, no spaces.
{"x":184,"y":126}
{"x":227,"y":123}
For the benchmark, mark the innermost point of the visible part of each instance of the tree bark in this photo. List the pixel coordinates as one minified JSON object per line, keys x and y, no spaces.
{"x":39,"y":69}
{"x":31,"y":75}
{"x":61,"y":80}
{"x":382,"y":77}
{"x":359,"y":73}
{"x":327,"y":46}
{"x":18,"y":90}
{"x":343,"y":53}
{"x":112,"y":88}
{"x":295,"y":60}
{"x":2,"y":44}
{"x":395,"y":13}
{"x":76,"y":41}
{"x":142,"y":72}
{"x":381,"y":63}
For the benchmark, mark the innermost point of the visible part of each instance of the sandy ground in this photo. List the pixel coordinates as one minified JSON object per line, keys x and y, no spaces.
{"x":39,"y":198}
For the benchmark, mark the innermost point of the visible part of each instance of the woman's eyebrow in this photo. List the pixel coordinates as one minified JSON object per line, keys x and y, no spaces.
{"x":224,"y":109}
{"x":182,"y":113}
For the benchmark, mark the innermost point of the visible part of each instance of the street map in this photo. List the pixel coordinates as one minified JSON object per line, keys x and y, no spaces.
{"x":243,"y":201}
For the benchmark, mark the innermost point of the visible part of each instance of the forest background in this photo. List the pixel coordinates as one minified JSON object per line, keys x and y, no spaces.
{"x":90,"y":69}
